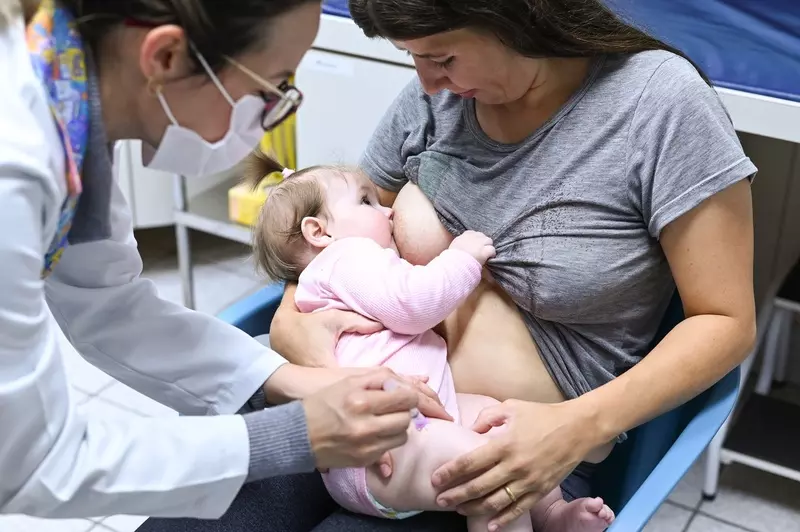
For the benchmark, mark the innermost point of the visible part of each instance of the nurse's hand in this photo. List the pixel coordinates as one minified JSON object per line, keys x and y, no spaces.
{"x":309,"y":339}
{"x":354,"y":422}
{"x":291,"y":382}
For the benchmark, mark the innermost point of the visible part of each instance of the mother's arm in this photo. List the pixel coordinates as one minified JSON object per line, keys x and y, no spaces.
{"x":309,"y":339}
{"x":710,"y":252}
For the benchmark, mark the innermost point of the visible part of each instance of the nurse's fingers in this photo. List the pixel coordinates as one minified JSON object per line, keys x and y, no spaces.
{"x":386,"y":465}
{"x":421,"y":384}
{"x":433,"y":408}
{"x":390,"y":426}
{"x":384,"y":392}
{"x":343,"y":428}
{"x":429,"y":403}
{"x":379,"y":379}
{"x":379,"y":402}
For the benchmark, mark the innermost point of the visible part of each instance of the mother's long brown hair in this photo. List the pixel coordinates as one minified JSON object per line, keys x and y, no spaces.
{"x":533,"y":28}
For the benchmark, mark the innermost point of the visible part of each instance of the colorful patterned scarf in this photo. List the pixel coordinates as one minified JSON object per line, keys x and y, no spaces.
{"x":59,"y":61}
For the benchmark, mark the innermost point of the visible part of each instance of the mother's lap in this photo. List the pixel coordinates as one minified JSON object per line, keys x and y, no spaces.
{"x":300,"y":503}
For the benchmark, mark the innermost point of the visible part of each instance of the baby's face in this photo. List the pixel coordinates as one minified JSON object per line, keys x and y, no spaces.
{"x":356,"y":211}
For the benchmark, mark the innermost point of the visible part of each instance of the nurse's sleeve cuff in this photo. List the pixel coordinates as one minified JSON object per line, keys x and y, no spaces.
{"x":279,"y":443}
{"x":258,"y":401}
{"x":242,"y":395}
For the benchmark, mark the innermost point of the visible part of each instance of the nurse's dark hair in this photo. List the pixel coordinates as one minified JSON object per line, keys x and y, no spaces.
{"x":11,"y":9}
{"x":217,"y":28}
{"x":532,"y":28}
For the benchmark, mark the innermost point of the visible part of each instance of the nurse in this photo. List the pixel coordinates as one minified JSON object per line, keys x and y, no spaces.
{"x":201,"y":80}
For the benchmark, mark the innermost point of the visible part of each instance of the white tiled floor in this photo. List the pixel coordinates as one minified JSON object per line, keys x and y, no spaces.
{"x":668,"y":518}
{"x":688,"y":491}
{"x":756,"y":501}
{"x":748,"y":500}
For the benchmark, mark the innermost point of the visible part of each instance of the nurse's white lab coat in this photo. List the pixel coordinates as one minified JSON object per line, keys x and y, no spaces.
{"x":55,"y":462}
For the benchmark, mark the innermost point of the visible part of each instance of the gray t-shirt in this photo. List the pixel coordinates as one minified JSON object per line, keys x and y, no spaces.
{"x":576,"y":209}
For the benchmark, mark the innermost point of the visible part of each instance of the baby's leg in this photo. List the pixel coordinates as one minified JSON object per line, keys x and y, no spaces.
{"x":554,"y":514}
{"x":469,"y":406}
{"x":410,"y":487}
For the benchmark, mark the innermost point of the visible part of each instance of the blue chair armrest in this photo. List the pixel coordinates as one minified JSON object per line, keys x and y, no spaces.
{"x":720,"y":402}
{"x":253,"y":314}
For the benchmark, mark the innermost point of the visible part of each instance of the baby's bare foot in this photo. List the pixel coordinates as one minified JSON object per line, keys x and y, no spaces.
{"x":581,"y":515}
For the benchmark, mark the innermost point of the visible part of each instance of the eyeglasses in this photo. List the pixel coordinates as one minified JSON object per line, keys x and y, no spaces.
{"x":280,"y":102}
{"x":279,"y":105}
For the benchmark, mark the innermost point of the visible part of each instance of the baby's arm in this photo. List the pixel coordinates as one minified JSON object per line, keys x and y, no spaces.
{"x":406,"y":299}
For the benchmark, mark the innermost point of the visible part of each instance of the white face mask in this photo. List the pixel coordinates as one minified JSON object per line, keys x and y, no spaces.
{"x":184,"y":152}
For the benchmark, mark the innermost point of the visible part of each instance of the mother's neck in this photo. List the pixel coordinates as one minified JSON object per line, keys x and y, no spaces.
{"x":554,"y":82}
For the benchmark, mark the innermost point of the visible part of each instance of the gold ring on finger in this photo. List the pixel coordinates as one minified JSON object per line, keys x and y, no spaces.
{"x":510,"y":494}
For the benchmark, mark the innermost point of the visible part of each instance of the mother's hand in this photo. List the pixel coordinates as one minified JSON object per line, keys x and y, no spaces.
{"x":541,"y":445}
{"x":309,"y":339}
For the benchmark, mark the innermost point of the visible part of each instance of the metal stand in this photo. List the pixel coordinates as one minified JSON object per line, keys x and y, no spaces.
{"x":763,"y":433}
{"x":184,"y":248}
{"x":206,"y":212}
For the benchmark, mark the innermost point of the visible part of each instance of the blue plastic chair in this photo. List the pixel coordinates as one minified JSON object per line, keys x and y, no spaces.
{"x":642,"y":471}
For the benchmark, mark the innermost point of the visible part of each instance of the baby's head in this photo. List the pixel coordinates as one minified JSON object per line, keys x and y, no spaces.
{"x":312,"y":209}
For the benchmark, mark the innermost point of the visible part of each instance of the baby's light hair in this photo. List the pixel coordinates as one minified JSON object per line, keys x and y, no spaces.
{"x":281,"y":252}
{"x":257,"y":166}
{"x":278,"y":244}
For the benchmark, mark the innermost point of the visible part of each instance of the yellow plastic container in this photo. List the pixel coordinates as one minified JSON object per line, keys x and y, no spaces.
{"x":244,"y":203}
{"x":280,"y":143}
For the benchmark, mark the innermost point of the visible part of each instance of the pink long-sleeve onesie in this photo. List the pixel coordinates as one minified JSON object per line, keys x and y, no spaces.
{"x":357,"y":274}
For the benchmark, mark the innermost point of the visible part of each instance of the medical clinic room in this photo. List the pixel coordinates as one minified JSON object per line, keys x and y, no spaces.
{"x":400,"y":265}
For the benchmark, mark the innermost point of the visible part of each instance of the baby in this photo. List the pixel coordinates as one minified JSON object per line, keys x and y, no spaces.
{"x":325,"y":229}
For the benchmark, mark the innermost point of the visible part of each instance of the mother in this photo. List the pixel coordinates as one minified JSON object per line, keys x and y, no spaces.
{"x":608,"y":173}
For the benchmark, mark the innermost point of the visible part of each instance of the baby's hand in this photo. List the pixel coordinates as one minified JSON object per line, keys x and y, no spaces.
{"x":476,"y":244}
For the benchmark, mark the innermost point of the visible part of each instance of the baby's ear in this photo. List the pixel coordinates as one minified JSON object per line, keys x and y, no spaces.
{"x":315,"y":232}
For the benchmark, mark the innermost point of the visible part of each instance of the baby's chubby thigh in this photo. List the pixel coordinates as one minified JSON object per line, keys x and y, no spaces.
{"x":409,"y":487}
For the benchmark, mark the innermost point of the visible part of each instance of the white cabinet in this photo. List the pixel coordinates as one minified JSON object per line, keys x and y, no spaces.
{"x":122,"y":170}
{"x":149,"y":193}
{"x":344,"y":99}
